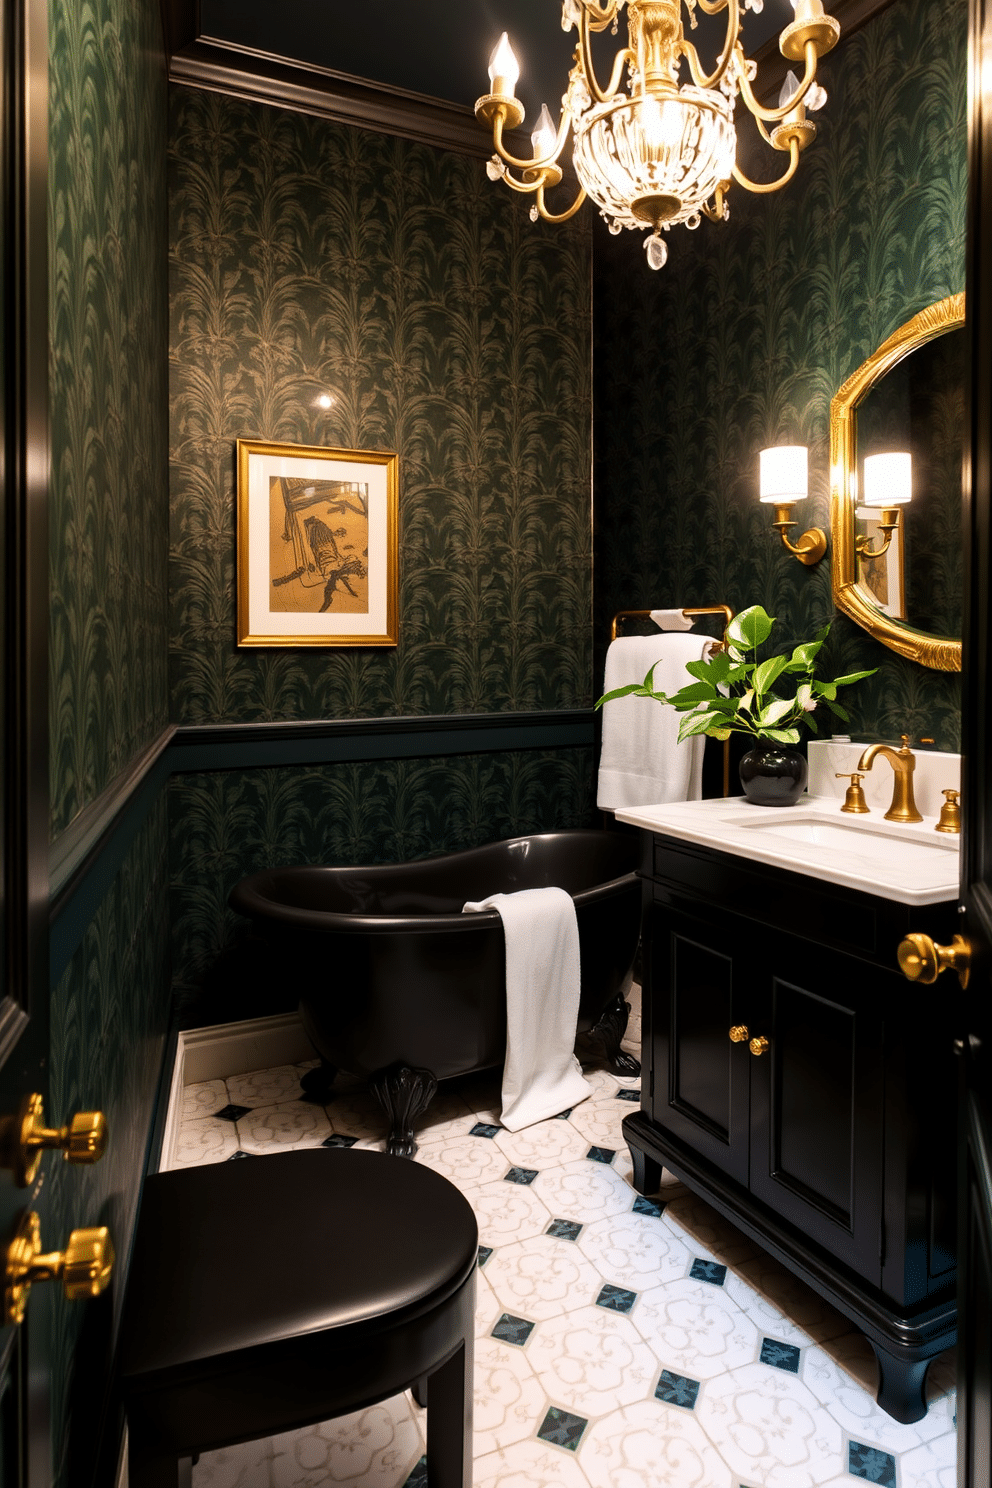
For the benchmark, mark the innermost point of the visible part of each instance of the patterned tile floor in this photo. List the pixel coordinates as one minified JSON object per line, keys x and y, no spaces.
{"x":622,"y":1342}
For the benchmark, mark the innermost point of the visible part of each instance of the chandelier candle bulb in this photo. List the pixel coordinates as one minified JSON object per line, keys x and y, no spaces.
{"x":504,"y":70}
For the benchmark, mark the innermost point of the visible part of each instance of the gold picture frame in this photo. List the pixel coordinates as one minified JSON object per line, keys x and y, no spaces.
{"x":317,"y":546}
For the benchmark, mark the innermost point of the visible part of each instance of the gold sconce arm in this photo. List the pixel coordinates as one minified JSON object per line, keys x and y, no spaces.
{"x":811,"y":546}
{"x":888,"y":523}
{"x":558,"y":216}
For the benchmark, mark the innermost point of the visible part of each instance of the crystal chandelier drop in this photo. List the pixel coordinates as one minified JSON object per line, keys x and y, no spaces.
{"x":663,"y":151}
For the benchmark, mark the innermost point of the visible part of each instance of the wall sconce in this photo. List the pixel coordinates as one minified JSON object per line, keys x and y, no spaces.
{"x":783,"y":482}
{"x":888,"y":484}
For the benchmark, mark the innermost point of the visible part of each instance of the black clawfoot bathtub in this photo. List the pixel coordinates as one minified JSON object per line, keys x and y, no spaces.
{"x":399,"y":986}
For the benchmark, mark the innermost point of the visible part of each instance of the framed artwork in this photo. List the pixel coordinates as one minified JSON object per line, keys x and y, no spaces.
{"x":317,"y":546}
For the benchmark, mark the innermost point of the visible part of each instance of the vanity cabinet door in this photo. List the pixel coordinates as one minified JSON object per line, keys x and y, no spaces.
{"x":699,"y":1078}
{"x":817,"y":1100}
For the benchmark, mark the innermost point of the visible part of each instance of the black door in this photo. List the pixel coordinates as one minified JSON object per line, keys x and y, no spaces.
{"x":24,"y":1407}
{"x":975,"y":1045}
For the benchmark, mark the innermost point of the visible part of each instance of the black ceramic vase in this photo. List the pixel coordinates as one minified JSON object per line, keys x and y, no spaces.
{"x":773,"y":774}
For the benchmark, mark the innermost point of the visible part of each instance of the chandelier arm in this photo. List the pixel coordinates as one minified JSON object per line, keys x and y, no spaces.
{"x":600,"y":16}
{"x":622,"y":58}
{"x":729,"y":45}
{"x":559,"y":216}
{"x":762,"y":188}
{"x":712,"y":7}
{"x":534,"y":165}
{"x":774,"y":115}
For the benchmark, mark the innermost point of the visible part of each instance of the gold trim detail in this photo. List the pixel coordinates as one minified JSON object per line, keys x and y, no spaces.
{"x":940,"y":653}
{"x":84,"y":1267}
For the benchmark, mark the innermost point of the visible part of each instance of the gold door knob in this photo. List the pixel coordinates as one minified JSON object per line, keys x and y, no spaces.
{"x":84,"y":1267}
{"x":738,"y":1033}
{"x":25,"y":1137}
{"x":759,"y":1046}
{"x":921,"y":960}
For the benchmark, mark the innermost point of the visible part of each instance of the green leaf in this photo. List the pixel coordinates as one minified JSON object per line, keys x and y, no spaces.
{"x":825,"y":689}
{"x":633,"y":689}
{"x":804,"y":696}
{"x":745,"y":701}
{"x":804,"y":655}
{"x":699,"y":723}
{"x":781,"y":736}
{"x":715,"y":669}
{"x":719,"y":733}
{"x":840,"y":712}
{"x":775,"y":710}
{"x":698,"y":692}
{"x":750,"y":628}
{"x":768,"y":672}
{"x":854,"y":677}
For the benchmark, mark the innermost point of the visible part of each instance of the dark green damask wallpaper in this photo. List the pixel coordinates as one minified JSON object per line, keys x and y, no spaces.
{"x":108,"y":313}
{"x":309,"y":258}
{"x":107,"y":309}
{"x":743,"y":338}
{"x":226,"y":824}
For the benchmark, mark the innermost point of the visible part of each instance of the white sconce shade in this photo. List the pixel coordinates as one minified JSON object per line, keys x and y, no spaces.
{"x":504,"y":68}
{"x":888,"y":480}
{"x":784,"y":474}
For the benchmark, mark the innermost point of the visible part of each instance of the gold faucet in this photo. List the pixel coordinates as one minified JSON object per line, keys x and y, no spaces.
{"x":903,"y":762}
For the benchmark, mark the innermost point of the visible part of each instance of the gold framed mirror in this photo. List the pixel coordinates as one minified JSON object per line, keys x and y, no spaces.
{"x":896,"y":569}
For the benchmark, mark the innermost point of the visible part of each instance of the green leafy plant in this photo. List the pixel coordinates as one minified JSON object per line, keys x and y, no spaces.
{"x":733,"y":694}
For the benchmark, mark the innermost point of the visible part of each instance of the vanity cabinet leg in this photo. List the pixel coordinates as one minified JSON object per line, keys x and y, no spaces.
{"x":647,"y":1171}
{"x":901,"y":1385}
{"x":403,"y":1093}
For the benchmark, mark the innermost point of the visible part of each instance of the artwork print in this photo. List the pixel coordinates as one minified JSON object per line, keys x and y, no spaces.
{"x":316,"y":546}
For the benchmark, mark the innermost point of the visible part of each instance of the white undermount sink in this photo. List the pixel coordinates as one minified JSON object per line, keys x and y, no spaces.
{"x":911,"y":863}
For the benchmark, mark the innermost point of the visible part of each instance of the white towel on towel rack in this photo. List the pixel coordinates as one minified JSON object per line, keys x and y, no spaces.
{"x":673,"y":619}
{"x":642,"y":762}
{"x":541,"y":1075}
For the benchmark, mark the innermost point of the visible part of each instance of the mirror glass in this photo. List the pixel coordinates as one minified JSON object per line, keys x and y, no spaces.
{"x":897,"y":569}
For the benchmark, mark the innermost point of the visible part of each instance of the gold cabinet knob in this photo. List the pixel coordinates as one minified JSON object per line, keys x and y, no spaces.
{"x":922,"y":960}
{"x":25,"y":1137}
{"x":759,"y":1046}
{"x":84,"y":1267}
{"x":738,"y":1034}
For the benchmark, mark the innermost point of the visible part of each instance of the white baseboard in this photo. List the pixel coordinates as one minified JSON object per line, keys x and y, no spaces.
{"x":229,"y":1049}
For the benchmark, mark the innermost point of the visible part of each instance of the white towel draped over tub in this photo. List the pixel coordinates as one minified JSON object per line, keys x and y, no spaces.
{"x":642,"y":761}
{"x":541,"y":1075}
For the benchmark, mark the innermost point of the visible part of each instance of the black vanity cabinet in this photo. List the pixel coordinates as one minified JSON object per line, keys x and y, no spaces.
{"x":799,"y":1083}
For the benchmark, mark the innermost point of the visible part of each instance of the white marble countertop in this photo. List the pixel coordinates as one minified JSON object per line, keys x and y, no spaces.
{"x":913,"y":864}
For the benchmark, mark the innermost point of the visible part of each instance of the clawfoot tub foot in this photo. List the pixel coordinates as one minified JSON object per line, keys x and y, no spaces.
{"x":403,"y":1093}
{"x":318,"y":1083}
{"x":609,"y":1031}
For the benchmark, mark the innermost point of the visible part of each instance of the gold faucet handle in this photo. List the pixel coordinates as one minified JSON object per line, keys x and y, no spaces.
{"x":950,"y":813}
{"x":906,"y":742}
{"x":84,"y":1267}
{"x":854,"y":800}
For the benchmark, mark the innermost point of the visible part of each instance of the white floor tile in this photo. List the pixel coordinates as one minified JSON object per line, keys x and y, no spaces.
{"x":584,"y":1191}
{"x":592,"y":1361}
{"x":548,"y":1144}
{"x":265,"y":1087}
{"x":695,"y":1329}
{"x":283,"y":1128}
{"x":529,"y":1464}
{"x":508,"y":1212}
{"x":651,"y":1445}
{"x":770,"y":1428}
{"x":204,"y":1099}
{"x":542,"y":1278}
{"x":205,"y":1141}
{"x":510,"y":1402}
{"x":634,"y":1250}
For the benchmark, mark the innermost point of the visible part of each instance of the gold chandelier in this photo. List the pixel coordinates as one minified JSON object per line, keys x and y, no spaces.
{"x":661,"y":152}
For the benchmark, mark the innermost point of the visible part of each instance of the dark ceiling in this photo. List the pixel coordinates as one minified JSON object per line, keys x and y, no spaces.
{"x":440,"y":48}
